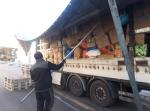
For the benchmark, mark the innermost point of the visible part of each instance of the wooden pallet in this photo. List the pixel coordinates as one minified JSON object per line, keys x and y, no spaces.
{"x":17,"y":84}
{"x":26,"y":73}
{"x":26,"y":70}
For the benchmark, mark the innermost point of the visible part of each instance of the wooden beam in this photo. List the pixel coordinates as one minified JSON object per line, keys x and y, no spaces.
{"x":122,"y":42}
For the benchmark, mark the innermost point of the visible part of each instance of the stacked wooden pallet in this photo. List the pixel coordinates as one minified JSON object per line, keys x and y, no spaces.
{"x":26,"y":70}
{"x":13,"y":84}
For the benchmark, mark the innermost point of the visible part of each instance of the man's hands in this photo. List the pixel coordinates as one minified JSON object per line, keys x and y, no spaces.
{"x":64,"y":61}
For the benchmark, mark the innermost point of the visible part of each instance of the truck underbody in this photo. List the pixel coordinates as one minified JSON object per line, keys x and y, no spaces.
{"x":102,"y":79}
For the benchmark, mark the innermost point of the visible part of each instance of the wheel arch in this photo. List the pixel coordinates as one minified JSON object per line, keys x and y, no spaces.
{"x":107,"y":82}
{"x":81,"y":79}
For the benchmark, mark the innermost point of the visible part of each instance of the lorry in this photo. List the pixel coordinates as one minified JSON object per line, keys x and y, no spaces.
{"x":102,"y":76}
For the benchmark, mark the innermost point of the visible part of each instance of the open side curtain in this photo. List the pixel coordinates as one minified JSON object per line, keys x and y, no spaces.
{"x":25,"y":45}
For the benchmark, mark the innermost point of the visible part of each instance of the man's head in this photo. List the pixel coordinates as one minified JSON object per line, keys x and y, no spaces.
{"x":38,"y":55}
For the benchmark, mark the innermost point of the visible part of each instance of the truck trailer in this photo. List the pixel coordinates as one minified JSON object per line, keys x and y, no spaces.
{"x":97,"y":68}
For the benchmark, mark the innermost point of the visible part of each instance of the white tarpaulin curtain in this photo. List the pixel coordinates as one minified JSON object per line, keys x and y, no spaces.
{"x":25,"y":45}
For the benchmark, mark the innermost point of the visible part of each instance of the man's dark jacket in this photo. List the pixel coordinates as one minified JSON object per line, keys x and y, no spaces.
{"x":41,"y":74}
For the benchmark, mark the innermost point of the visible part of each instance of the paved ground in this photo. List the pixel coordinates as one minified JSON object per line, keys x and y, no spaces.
{"x":86,"y":104}
{"x":10,"y":101}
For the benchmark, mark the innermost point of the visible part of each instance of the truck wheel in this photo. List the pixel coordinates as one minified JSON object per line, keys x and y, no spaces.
{"x":75,"y":86}
{"x":100,"y":93}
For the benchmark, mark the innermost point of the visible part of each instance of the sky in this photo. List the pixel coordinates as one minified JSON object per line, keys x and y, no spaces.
{"x":27,"y":19}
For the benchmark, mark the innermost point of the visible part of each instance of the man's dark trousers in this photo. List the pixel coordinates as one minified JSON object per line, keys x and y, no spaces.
{"x":45,"y":99}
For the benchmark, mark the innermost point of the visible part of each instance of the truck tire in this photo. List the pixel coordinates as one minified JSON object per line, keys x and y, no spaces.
{"x":100,"y":93}
{"x":76,"y":86}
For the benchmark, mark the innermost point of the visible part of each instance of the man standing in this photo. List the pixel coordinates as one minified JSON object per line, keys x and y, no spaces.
{"x":42,"y":79}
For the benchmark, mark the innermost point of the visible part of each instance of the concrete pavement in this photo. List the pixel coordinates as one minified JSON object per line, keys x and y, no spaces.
{"x":10,"y":101}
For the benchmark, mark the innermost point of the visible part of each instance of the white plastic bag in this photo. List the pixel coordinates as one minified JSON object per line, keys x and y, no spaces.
{"x":93,"y":53}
